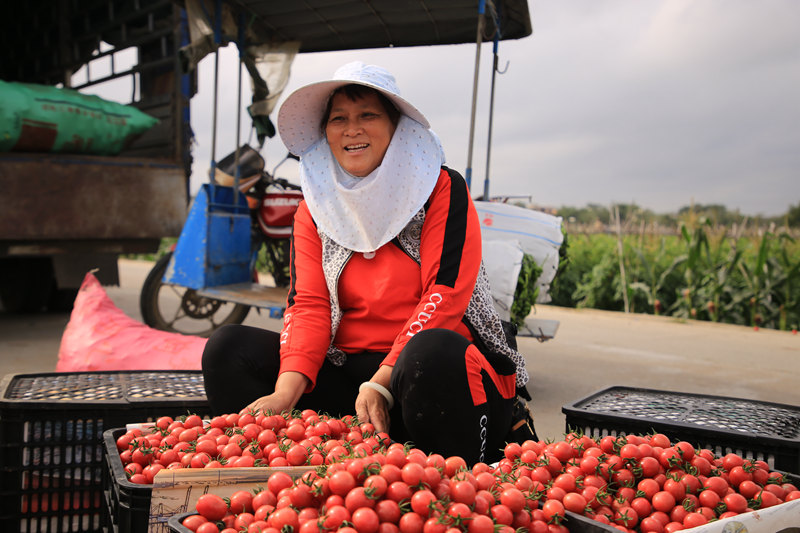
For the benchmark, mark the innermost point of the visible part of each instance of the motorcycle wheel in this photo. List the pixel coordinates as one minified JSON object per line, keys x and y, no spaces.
{"x":178,"y":309}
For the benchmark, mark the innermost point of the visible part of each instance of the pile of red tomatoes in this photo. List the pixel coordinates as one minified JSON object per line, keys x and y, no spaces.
{"x":357,"y":480}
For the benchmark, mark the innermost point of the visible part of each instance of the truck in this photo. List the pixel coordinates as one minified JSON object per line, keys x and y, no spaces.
{"x":62,"y":215}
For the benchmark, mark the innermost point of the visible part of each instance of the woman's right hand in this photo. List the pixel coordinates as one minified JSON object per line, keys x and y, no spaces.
{"x":289,"y":387}
{"x":271,"y":403}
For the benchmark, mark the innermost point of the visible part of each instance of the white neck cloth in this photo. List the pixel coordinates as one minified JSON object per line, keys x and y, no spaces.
{"x":363,"y":214}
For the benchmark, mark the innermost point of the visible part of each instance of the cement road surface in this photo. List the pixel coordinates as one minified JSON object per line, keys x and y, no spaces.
{"x":592,"y":350}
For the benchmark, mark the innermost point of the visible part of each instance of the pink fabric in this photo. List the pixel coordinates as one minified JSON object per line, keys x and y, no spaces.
{"x":99,"y":336}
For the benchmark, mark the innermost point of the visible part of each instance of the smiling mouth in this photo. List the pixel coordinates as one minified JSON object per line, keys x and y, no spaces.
{"x":356,"y":147}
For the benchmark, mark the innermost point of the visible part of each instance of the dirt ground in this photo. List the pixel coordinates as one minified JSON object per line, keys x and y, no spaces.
{"x":592,"y":350}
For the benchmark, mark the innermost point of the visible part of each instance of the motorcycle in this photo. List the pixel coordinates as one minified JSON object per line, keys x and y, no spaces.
{"x":258,"y":215}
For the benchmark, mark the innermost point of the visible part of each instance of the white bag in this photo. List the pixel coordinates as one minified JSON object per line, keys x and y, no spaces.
{"x":538,"y":234}
{"x":503,"y":261}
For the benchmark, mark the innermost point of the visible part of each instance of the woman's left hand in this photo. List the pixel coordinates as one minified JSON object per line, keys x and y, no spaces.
{"x":371,"y":406}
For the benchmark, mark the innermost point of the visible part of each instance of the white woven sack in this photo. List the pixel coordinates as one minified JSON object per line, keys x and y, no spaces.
{"x":538,"y":234}
{"x":503,"y":261}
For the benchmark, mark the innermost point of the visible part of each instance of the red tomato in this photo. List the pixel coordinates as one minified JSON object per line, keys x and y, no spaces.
{"x":669,"y":457}
{"x":768,"y":499}
{"x":650,"y":466}
{"x":553,"y":511}
{"x":388,"y":511}
{"x":563,"y":451}
{"x":630,"y":452}
{"x":737,"y":475}
{"x":192,"y":421}
{"x":694,"y":520}
{"x":651,"y":525}
{"x":334,"y":516}
{"x":421,"y":502}
{"x":464,"y":492}
{"x":749,"y":489}
{"x":481,"y":524}
{"x":241,"y":501}
{"x":398,"y":491}
{"x":357,"y":498}
{"x":341,"y":482}
{"x":685,"y":449}
{"x":454,"y":464}
{"x":513,"y":498}
{"x":502,"y":514}
{"x":412,"y":474}
{"x":626,"y":516}
{"x":297,"y":455}
{"x":648,"y":487}
{"x":702,"y":465}
{"x":211,"y":506}
{"x":642,"y":506}
{"x":208,"y":527}
{"x":717,"y":484}
{"x":565,"y":481}
{"x":243,"y":521}
{"x":411,"y":523}
{"x":512,"y":451}
{"x":574,"y":503}
{"x":663,"y":501}
{"x":365,"y":520}
{"x":709,"y":498}
{"x":194,"y":521}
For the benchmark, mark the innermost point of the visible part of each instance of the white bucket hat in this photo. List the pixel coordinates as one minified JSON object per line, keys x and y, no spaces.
{"x":300,"y":116}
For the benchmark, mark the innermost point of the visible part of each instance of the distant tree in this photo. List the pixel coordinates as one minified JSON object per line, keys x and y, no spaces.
{"x":793,"y":216}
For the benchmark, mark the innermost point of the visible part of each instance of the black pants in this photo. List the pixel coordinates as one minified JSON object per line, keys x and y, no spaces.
{"x":434,"y":402}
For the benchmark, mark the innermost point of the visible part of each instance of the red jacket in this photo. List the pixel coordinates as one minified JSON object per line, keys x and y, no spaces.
{"x":388,"y":298}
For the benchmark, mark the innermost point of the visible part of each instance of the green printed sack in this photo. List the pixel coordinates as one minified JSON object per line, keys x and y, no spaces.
{"x":40,"y":118}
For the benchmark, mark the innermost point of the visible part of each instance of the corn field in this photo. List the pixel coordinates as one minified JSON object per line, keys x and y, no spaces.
{"x":700,"y":272}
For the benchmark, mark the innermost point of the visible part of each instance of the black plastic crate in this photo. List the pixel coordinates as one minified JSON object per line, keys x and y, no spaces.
{"x":750,"y":428}
{"x":175,"y":523}
{"x":128,"y":503}
{"x":51,"y":440}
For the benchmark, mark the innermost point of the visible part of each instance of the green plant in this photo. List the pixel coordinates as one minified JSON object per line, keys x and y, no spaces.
{"x":527,"y":291}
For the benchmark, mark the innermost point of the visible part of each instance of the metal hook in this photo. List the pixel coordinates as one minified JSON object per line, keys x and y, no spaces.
{"x":504,"y":69}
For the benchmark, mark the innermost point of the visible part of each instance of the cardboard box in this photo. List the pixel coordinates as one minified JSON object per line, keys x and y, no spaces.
{"x":176,"y":492}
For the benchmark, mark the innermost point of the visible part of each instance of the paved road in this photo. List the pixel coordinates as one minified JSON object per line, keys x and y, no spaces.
{"x":592,"y":350}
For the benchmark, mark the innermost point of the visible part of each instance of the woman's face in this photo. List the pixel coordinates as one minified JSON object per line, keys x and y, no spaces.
{"x":358,"y":132}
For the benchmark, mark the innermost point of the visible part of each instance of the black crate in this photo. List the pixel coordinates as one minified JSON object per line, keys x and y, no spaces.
{"x":175,"y":523}
{"x":128,"y":503}
{"x":750,"y":428}
{"x":51,"y":440}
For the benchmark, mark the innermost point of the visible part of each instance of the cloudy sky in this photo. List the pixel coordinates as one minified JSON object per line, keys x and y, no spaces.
{"x":659,"y":103}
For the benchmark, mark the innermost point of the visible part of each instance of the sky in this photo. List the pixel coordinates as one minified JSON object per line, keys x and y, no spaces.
{"x":658,"y":103}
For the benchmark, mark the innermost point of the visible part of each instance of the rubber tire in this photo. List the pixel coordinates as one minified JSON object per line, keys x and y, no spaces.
{"x":148,"y":302}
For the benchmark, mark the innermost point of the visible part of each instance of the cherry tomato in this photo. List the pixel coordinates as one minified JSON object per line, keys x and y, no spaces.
{"x":663,"y":501}
{"x":574,"y":503}
{"x":365,"y":520}
{"x":194,"y":521}
{"x":553,"y":511}
{"x":211,"y":506}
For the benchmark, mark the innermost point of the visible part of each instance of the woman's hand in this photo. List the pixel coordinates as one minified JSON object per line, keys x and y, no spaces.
{"x":289,"y":387}
{"x":371,"y":406}
{"x":271,"y":403}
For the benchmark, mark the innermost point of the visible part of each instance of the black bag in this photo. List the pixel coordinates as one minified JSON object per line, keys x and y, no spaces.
{"x":522,"y":428}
